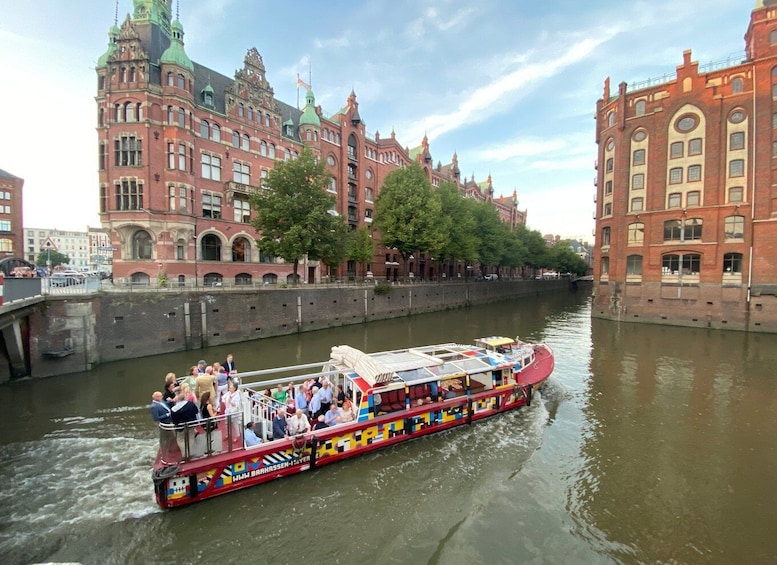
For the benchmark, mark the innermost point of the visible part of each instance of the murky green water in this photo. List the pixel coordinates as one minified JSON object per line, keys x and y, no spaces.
{"x":650,"y":445}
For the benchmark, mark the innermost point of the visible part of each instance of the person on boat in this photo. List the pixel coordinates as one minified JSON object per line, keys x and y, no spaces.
{"x":347,"y":413}
{"x":169,"y":394}
{"x":221,"y":388}
{"x":280,"y":427}
{"x":233,"y":407}
{"x":450,"y":394}
{"x":207,"y":412}
{"x":191,"y":378}
{"x":206,"y":382}
{"x":314,"y":406}
{"x":279,"y":394}
{"x":187,"y":393}
{"x":290,"y":392}
{"x":201,"y":366}
{"x":320,"y":424}
{"x":301,"y":400}
{"x":229,"y":365}
{"x":332,"y":416}
{"x":326,"y":396}
{"x":250,"y":437}
{"x":298,"y":424}
{"x":340,"y":398}
{"x":161,"y":414}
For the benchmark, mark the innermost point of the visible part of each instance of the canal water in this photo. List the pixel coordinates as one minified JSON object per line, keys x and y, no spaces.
{"x":648,"y":445}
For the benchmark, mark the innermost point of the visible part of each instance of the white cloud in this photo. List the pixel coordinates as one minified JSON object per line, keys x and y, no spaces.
{"x":332,"y":42}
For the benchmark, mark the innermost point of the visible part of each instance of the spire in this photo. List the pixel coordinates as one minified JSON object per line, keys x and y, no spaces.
{"x":175,"y":54}
{"x":113,"y":33}
{"x":309,"y":115}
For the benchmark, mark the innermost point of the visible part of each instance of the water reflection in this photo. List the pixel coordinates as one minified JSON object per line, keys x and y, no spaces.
{"x":678,"y":443}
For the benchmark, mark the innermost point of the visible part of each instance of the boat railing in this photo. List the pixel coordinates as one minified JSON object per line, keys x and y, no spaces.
{"x":201,"y":438}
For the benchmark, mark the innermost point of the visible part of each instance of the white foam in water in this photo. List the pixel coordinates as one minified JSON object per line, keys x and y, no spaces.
{"x":80,"y":475}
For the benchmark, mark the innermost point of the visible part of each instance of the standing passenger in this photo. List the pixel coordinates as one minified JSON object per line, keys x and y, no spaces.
{"x":229,"y":365}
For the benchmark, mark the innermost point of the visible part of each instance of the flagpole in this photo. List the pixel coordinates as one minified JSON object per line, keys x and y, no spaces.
{"x":297,"y":91}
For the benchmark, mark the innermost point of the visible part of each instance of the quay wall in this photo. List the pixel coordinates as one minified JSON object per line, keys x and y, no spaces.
{"x":113,"y":326}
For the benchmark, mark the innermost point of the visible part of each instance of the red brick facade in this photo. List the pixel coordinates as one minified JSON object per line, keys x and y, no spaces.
{"x":686,"y":214}
{"x":181,"y":147}
{"x":11,"y":217}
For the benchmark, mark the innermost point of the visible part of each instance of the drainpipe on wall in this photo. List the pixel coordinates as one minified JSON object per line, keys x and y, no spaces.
{"x":752,"y":196}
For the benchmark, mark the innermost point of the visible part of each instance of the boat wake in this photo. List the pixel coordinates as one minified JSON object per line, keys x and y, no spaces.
{"x":82,"y":474}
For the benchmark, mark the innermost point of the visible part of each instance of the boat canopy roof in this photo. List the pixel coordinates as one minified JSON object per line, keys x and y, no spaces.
{"x":496,"y":341}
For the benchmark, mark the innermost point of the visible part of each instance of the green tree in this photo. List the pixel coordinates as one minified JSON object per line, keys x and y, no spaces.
{"x":490,"y":233}
{"x":407,"y":215}
{"x":564,"y":260}
{"x":536,"y":250}
{"x":335,"y":244}
{"x":293,"y":211}
{"x":361,"y":248}
{"x":457,"y":222}
{"x":55,"y":257}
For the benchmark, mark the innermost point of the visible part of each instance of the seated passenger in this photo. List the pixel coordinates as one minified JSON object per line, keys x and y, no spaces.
{"x":320,"y":424}
{"x":250,"y":437}
{"x":280,"y":428}
{"x":299,"y":424}
{"x":332,"y":416}
{"x":450,"y":394}
{"x":347,"y":414}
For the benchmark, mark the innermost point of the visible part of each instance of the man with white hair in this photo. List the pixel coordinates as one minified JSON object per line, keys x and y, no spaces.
{"x":298,"y":424}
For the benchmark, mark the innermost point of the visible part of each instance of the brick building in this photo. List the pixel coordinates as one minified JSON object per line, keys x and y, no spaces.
{"x":11,"y":217}
{"x":182,"y":147}
{"x":686,"y":214}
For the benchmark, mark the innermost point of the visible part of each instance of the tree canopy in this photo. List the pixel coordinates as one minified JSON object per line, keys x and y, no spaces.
{"x":55,"y":257}
{"x":294,"y":216}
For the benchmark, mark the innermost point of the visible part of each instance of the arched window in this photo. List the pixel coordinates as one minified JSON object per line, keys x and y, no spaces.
{"x":117,"y":113}
{"x":605,"y":236}
{"x":133,"y":75}
{"x":270,"y":279}
{"x":245,"y":144}
{"x":736,"y":85}
{"x":263,"y":149}
{"x":204,"y":129}
{"x":212,"y":279}
{"x":235,"y":140}
{"x":640,"y":107}
{"x":170,"y":79}
{"x":734,"y":227}
{"x":129,"y":112}
{"x":123,"y":75}
{"x":243,"y":279}
{"x":240,"y":109}
{"x":250,"y":113}
{"x":139,"y":111}
{"x":139,"y":278}
{"x":636,"y":234}
{"x":352,"y":154}
{"x":211,"y":248}
{"x":286,"y":154}
{"x":272,"y":151}
{"x":141,"y":245}
{"x":216,"y":133}
{"x":611,"y":119}
{"x":101,"y":117}
{"x":267,"y":120}
{"x":181,"y":81}
{"x":241,"y":250}
{"x":732,"y":263}
{"x":170,"y":115}
{"x":634,"y":265}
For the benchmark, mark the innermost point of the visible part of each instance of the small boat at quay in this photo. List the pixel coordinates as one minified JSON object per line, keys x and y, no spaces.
{"x":395,"y":395}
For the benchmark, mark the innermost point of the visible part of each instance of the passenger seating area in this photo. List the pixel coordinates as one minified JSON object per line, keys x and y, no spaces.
{"x":392,"y":400}
{"x":476,"y":386}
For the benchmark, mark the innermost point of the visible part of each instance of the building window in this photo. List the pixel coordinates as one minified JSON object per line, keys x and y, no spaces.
{"x":672,"y":230}
{"x":640,"y":107}
{"x":101,"y":158}
{"x":181,"y":156}
{"x":611,"y":119}
{"x":638,"y":181}
{"x":634,"y":265}
{"x":736,"y":168}
{"x":639,"y":157}
{"x":128,"y":151}
{"x":181,"y":81}
{"x":686,"y":123}
{"x":211,"y":167}
{"x":242,"y":211}
{"x":235,"y":140}
{"x":245,"y":143}
{"x":736,"y":141}
{"x":211,"y":206}
{"x":693,"y":198}
{"x":640,"y":135}
{"x":692,"y":229}
{"x":211,"y":248}
{"x":5,"y":225}
{"x":171,"y":155}
{"x":240,"y":109}
{"x":735,"y":194}
{"x":636,"y":204}
{"x":263,"y":149}
{"x":605,"y":265}
{"x":170,"y":79}
{"x":608,"y":209}
{"x":103,"y":199}
{"x":736,"y":85}
{"x":734,"y":227}
{"x":204,"y":129}
{"x":609,"y":165}
{"x":251,"y":113}
{"x":676,"y":175}
{"x":241,"y":250}
{"x":241,"y":172}
{"x":732,"y":263}
{"x":181,"y":117}
{"x":694,"y":146}
{"x":129,"y":195}
{"x":676,"y":150}
{"x":636,"y":233}
{"x":141,"y":245}
{"x":271,"y":151}
{"x":608,"y":187}
{"x":687,"y":264}
{"x":215,"y":133}
{"x":694,"y":173}
{"x":605,"y":236}
{"x":368,"y":194}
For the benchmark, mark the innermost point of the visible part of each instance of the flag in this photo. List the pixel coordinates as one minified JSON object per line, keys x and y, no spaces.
{"x":301,"y":83}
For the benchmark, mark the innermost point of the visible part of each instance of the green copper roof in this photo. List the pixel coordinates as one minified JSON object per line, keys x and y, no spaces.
{"x":112,"y":35}
{"x":309,"y":115}
{"x":208,"y":88}
{"x":175,"y":54}
{"x":153,"y":11}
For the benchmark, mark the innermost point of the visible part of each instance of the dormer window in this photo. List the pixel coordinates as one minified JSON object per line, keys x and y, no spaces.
{"x":289,"y":130}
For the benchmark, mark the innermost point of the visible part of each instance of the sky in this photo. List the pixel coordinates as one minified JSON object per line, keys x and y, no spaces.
{"x":509,"y":85}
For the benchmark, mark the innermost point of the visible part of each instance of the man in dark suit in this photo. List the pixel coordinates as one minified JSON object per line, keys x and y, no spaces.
{"x":229,"y":365}
{"x":160,"y":412}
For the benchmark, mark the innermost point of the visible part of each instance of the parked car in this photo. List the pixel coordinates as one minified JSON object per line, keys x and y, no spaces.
{"x":491,"y":277}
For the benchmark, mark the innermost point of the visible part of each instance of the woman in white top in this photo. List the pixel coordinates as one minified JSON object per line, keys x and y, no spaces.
{"x":232,"y":405}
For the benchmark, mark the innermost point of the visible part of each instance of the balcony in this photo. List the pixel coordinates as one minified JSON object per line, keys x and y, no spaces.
{"x":238,"y":188}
